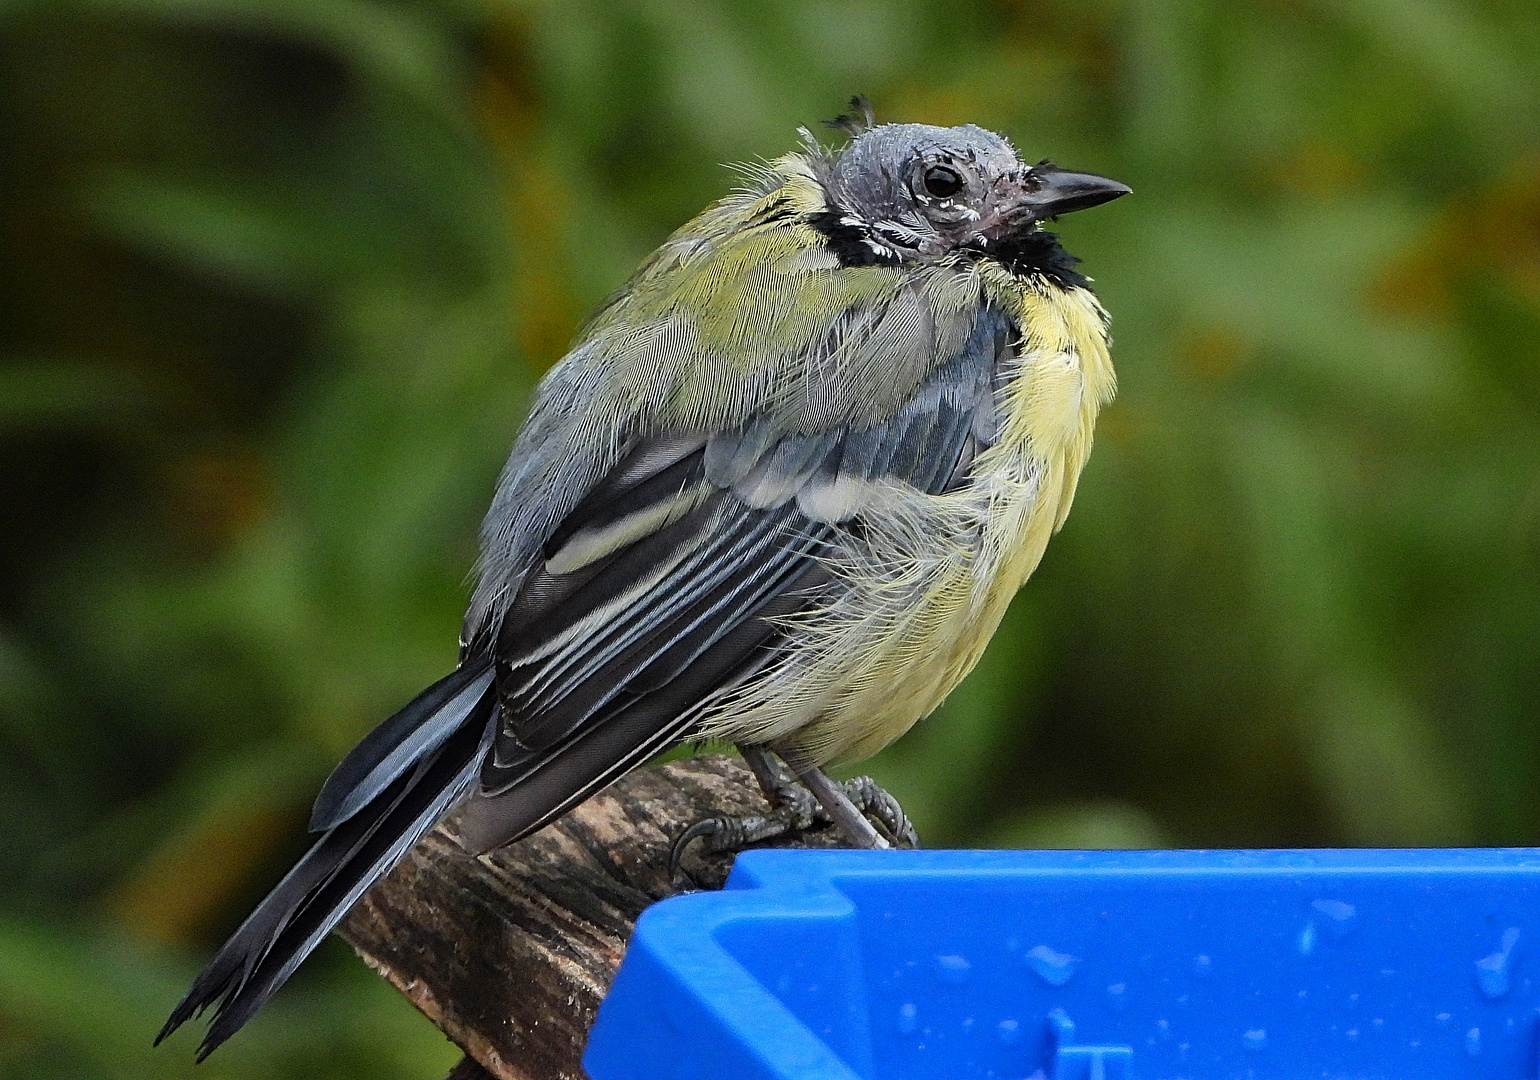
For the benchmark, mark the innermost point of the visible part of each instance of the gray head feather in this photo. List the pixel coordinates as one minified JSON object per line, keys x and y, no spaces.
{"x":927,"y":190}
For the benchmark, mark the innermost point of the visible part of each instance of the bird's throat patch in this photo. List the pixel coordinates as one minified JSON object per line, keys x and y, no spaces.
{"x":851,"y":242}
{"x":1037,"y":253}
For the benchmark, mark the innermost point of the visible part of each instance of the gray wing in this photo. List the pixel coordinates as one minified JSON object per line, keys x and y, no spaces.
{"x":662,"y":588}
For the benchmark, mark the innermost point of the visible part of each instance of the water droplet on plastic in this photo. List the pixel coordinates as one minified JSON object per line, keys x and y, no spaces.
{"x":1442,"y":1019}
{"x":1307,"y":939}
{"x":908,"y":1019}
{"x":1054,"y":968}
{"x":1063,"y":1027}
{"x":1492,"y":971}
{"x":1352,"y":1034}
{"x":1117,"y":994}
{"x":952,"y":970}
{"x":1492,"y":975}
{"x":1165,"y":1028}
{"x":1337,"y":917}
{"x":1255,"y":1039}
{"x":1379,"y":1023}
{"x":1202,"y":966}
{"x":1008,"y":1032}
{"x":1473,"y":1042}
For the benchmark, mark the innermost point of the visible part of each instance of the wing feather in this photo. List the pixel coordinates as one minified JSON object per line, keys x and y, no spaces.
{"x":664,"y":587}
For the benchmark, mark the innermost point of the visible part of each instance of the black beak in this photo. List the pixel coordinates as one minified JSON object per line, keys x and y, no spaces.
{"x":1060,"y":191}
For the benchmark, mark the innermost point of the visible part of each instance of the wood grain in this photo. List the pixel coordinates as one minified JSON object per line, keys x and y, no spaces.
{"x":511,"y":953}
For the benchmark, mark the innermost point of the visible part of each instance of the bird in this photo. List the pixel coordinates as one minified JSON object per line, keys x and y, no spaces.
{"x":779,"y":493}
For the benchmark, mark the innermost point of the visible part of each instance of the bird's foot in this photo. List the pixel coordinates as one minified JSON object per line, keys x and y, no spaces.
{"x":797,"y":807}
{"x":798,"y":811}
{"x":878,"y":805}
{"x":854,"y":804}
{"x":792,"y":809}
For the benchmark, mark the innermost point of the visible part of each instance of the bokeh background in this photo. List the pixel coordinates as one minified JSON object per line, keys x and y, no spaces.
{"x":278,"y":276}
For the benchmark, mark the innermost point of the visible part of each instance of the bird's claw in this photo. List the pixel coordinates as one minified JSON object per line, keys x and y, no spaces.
{"x":882,"y":809}
{"x":722,"y":834}
{"x":793,"y":809}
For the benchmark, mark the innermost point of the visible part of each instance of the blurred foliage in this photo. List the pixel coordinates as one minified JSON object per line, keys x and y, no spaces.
{"x":278,"y":277}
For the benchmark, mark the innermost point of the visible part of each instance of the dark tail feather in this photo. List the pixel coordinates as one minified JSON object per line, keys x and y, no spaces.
{"x":392,"y":748}
{"x":345,"y":861}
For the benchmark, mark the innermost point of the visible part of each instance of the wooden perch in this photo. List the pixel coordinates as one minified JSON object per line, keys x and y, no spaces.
{"x":510,"y":954}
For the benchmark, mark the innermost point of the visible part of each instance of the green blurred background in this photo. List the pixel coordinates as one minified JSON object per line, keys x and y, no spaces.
{"x":278,"y":278}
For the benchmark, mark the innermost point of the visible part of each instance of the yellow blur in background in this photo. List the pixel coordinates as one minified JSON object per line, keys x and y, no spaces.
{"x":277,"y":277}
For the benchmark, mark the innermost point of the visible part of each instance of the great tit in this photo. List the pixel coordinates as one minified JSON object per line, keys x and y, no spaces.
{"x":779,"y":493}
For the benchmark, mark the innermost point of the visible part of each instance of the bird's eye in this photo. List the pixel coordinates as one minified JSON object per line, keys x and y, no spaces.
{"x":942,"y":182}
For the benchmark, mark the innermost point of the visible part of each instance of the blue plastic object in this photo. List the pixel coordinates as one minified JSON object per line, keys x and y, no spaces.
{"x":1155,"y":965}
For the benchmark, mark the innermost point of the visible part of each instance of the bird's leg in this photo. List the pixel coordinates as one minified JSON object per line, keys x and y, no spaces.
{"x":797,"y":805}
{"x":772,"y":782}
{"x":875,"y":803}
{"x":840,"y":809}
{"x":792,"y":809}
{"x":852,"y":802}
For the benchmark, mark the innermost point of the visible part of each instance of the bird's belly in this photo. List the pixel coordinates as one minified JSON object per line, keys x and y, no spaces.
{"x":915,"y":604}
{"x":950,"y":623}
{"x":917,"y":600}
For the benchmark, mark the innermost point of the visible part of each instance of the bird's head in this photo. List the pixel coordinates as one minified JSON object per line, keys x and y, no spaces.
{"x":917,"y":192}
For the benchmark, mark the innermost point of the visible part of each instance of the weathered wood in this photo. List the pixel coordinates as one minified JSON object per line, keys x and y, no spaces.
{"x":468,"y":1069}
{"x":510,"y":954}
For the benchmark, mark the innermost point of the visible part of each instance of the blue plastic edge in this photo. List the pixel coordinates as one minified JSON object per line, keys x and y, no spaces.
{"x":678,"y":982}
{"x":681,"y":986}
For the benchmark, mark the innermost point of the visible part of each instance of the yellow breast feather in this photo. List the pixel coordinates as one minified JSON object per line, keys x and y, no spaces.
{"x":932,"y":580}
